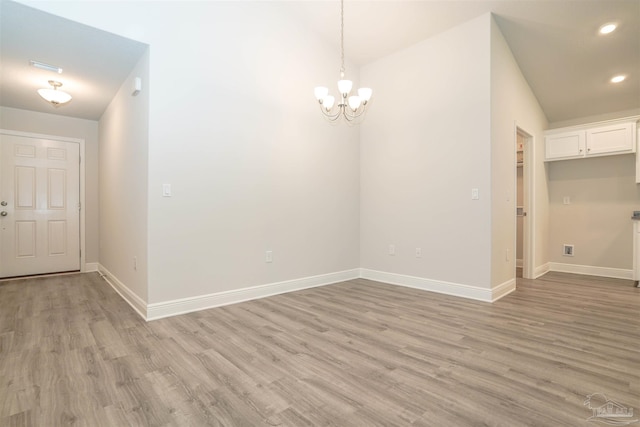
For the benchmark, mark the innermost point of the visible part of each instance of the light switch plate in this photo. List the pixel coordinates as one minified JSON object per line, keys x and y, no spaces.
{"x":166,"y":190}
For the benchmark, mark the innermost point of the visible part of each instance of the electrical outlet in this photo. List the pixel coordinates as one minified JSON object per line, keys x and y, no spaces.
{"x":418,"y":252}
{"x":392,"y":250}
{"x":475,"y":194}
{"x":566,"y":200}
{"x":268,"y":256}
{"x":567,"y":250}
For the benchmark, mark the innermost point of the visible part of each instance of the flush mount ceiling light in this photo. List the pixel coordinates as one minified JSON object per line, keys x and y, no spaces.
{"x":46,"y":67}
{"x":54,"y":96}
{"x":349,"y":107}
{"x":608,"y":28}
{"x":618,"y":79}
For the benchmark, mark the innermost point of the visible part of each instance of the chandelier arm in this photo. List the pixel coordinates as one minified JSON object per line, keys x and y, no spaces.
{"x":352,"y":115}
{"x":349,"y":119}
{"x":331,"y":117}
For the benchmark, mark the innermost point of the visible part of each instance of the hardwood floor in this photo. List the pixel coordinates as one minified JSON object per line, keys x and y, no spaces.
{"x":358,"y":353}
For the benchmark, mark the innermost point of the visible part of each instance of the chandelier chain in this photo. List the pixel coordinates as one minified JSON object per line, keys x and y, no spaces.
{"x":342,"y":38}
{"x":351,"y":108}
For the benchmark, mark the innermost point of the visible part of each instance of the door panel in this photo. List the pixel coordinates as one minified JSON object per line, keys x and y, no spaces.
{"x":57,"y":186}
{"x":25,"y":239}
{"x":40,"y":183}
{"x":25,"y":188}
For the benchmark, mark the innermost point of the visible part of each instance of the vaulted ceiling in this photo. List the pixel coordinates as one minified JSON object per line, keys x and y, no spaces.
{"x":567,"y":63}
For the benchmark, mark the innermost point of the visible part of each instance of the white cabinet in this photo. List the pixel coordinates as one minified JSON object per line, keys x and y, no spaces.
{"x":604,"y":139}
{"x":565,"y":145}
{"x":612,"y":139}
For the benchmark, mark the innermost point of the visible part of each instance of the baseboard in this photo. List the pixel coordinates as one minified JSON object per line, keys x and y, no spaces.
{"x":503,"y":289}
{"x":203,"y":302}
{"x":90,"y":267}
{"x":448,"y":288}
{"x":541,"y":270}
{"x":589,"y":270}
{"x":137,"y":303}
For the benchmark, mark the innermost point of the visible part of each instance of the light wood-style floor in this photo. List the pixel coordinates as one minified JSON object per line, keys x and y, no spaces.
{"x":358,"y":353}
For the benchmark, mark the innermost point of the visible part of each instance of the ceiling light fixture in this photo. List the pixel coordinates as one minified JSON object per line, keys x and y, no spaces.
{"x":618,"y":79}
{"x":54,"y":96}
{"x":44,"y":66}
{"x":350,"y":108}
{"x":608,"y":28}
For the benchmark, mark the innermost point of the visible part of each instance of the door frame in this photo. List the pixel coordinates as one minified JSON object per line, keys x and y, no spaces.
{"x":528,"y":227}
{"x":81,"y":144}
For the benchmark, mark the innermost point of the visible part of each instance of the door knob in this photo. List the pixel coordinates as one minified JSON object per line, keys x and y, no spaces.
{"x":3,"y":213}
{"x":3,"y":203}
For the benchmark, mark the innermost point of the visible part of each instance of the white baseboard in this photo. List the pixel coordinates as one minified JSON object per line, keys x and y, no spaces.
{"x":541,"y":270}
{"x":203,"y":302}
{"x":448,"y":288}
{"x":616,"y":273}
{"x":90,"y":267}
{"x":137,"y":303}
{"x":503,"y":289}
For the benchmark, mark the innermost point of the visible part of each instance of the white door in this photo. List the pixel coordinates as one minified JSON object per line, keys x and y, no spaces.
{"x":39,"y":206}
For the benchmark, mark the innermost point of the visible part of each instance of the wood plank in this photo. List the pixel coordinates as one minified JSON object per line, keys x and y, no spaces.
{"x":354,"y":353}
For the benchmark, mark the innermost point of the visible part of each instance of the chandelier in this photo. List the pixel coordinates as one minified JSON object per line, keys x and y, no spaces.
{"x":349,"y":107}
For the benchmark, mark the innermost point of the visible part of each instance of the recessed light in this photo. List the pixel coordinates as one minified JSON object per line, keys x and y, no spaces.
{"x":608,"y":28}
{"x":618,"y":79}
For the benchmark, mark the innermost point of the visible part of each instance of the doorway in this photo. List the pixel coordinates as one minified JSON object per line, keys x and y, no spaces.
{"x":523,"y":191}
{"x":40,"y":204}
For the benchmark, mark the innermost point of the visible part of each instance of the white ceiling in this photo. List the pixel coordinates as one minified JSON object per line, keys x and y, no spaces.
{"x":94,"y":62}
{"x":566,"y":62}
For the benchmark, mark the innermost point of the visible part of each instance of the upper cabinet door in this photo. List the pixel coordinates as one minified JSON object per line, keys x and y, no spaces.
{"x":565,"y":145}
{"x":611,"y":139}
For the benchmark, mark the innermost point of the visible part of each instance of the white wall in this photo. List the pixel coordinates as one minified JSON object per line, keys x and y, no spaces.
{"x":253,"y":165}
{"x":234,"y":128}
{"x":52,"y":124}
{"x":123,"y":130}
{"x":603,"y":195}
{"x":424,"y":146}
{"x":513,"y":103}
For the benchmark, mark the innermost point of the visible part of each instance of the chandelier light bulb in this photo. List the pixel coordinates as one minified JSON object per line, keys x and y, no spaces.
{"x":365,"y":94}
{"x":328,"y":102}
{"x":344,"y":86}
{"x":354,"y":102}
{"x":320,"y":92}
